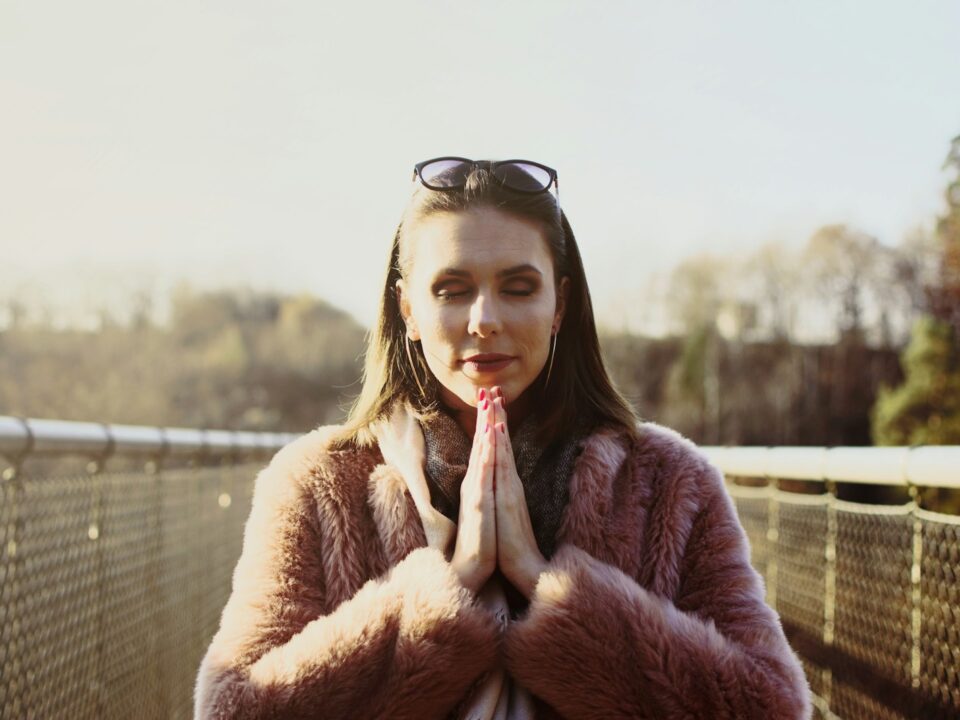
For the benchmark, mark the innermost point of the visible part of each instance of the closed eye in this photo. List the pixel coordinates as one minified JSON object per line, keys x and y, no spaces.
{"x":449,"y":295}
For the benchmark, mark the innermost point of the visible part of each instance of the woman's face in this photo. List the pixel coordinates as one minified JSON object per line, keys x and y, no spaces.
{"x":481,"y":281}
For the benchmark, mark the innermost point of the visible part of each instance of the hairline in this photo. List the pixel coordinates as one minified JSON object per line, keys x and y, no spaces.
{"x":417,"y":214}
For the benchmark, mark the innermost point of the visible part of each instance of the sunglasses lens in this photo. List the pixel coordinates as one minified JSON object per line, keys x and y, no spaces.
{"x":524,"y":177}
{"x":445,"y":173}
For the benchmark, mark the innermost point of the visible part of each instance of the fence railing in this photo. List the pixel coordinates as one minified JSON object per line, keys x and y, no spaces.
{"x":114,"y":569}
{"x":869,"y":595}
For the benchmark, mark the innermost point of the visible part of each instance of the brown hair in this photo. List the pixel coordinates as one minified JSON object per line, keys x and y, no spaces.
{"x":579,"y":384}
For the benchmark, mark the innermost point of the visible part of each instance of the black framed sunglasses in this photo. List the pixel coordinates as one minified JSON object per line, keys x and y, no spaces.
{"x":523,"y":176}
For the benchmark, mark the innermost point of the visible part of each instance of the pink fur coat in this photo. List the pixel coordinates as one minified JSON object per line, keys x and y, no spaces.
{"x":649,"y":607}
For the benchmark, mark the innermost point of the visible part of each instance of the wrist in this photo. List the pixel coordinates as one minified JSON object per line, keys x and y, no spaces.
{"x":467,"y":579}
{"x":531,"y":575}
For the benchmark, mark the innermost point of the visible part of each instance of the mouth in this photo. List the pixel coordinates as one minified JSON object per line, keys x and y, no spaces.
{"x":487,"y":362}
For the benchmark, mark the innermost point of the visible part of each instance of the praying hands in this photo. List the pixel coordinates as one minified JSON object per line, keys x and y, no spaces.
{"x":494,"y":526}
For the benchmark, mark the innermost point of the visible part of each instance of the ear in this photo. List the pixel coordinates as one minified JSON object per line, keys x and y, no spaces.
{"x":403,"y":301}
{"x":562,"y":292}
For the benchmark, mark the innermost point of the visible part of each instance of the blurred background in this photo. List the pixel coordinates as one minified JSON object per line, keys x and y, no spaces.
{"x":198,"y":201}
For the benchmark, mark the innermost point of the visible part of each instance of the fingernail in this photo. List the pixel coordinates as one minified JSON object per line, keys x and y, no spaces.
{"x":486,"y":404}
{"x":483,"y":393}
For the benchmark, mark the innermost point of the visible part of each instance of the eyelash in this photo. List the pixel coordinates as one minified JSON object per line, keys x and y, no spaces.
{"x":450,"y":296}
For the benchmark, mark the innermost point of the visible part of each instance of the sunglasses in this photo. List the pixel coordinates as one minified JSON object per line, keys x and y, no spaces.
{"x":523,"y":176}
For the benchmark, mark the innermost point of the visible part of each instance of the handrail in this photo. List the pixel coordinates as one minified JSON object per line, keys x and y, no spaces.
{"x":927,"y":465}
{"x":20,"y":437}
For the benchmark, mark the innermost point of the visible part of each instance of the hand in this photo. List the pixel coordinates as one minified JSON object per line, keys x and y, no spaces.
{"x":518,"y":555}
{"x":475,"y":555}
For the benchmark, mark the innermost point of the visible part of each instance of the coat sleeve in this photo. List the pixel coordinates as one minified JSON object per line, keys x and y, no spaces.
{"x":596,"y":644}
{"x":408,"y":644}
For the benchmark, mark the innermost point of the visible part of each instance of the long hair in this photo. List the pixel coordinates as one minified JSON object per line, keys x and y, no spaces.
{"x":395,"y":371}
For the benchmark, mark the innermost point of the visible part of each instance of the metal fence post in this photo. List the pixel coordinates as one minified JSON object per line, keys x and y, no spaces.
{"x":830,"y":584}
{"x":915,"y":587}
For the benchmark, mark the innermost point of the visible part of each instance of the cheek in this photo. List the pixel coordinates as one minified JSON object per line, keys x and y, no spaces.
{"x":447,"y":328}
{"x":532,"y":338}
{"x":442,"y":336}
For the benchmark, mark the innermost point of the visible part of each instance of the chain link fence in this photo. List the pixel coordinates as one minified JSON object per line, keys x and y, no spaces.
{"x":868,"y":596}
{"x":112,"y":587}
{"x":112,"y":582}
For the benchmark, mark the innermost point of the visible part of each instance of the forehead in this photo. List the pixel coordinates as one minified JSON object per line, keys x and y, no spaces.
{"x":480,"y":240}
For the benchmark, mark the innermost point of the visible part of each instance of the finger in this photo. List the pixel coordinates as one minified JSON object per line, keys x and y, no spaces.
{"x":489,"y":457}
{"x":482,"y":410}
{"x":505,"y":437}
{"x":507,"y":466}
{"x":476,"y":481}
{"x":496,"y":456}
{"x":501,"y":406}
{"x":473,"y":481}
{"x":492,"y":417}
{"x":503,"y":431}
{"x":478,"y":429}
{"x":502,"y":465}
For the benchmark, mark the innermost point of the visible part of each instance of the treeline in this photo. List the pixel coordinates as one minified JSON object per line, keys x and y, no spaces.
{"x":846,"y":341}
{"x":723,"y":392}
{"x":800,"y":346}
{"x":230,"y":359}
{"x":260,"y":361}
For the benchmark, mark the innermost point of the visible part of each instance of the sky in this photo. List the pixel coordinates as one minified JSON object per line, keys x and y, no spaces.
{"x":271,"y":145}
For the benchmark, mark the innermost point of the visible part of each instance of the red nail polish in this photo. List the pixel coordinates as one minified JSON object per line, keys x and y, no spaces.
{"x":483,"y":393}
{"x":486,"y":404}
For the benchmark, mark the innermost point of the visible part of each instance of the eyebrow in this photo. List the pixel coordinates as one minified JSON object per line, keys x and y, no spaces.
{"x":515,"y":270}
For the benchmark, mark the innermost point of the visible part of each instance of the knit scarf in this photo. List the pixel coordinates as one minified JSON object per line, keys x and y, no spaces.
{"x":544,"y":472}
{"x":432,"y":456}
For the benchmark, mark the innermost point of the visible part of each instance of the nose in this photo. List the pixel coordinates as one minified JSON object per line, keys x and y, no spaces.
{"x":484,"y":316}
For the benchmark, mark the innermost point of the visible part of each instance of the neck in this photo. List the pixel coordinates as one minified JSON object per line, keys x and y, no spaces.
{"x":466,"y":416}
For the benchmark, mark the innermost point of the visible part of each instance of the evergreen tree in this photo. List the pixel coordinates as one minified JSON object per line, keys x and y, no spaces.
{"x":925,"y":409}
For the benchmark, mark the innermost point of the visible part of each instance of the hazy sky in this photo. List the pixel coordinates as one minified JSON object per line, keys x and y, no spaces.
{"x":272,"y":144}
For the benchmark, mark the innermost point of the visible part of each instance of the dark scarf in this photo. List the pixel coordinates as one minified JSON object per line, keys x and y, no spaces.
{"x":544,"y":471}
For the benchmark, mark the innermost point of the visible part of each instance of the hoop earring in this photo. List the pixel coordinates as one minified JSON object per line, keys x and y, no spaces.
{"x":553,"y":352}
{"x":416,"y":376}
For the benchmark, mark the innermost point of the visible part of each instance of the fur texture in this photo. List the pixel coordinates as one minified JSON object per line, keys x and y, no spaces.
{"x":648,"y":609}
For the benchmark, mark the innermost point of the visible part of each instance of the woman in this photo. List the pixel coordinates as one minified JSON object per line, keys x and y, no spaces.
{"x":491,"y":533}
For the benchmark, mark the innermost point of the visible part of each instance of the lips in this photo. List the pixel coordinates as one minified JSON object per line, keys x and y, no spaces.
{"x":487,"y":357}
{"x":487,"y":362}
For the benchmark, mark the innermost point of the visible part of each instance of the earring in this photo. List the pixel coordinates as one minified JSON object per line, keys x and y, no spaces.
{"x":553,"y":352}
{"x":413,"y":367}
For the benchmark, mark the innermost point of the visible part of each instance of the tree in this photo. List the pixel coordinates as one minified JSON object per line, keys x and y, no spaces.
{"x":925,"y":409}
{"x":843,"y":264}
{"x":696,"y":290}
{"x":773,"y":275}
{"x":945,"y":296}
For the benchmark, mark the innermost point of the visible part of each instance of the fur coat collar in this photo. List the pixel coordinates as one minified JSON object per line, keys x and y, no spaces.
{"x":344,"y":606}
